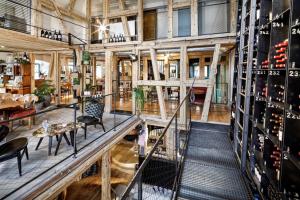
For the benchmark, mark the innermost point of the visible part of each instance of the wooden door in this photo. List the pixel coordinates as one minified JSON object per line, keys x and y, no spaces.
{"x":150,"y":25}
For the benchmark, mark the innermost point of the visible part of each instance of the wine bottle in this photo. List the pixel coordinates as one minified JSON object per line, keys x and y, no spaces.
{"x":55,"y":36}
{"x":46,"y":34}
{"x":42,"y":33}
{"x":59,"y":36}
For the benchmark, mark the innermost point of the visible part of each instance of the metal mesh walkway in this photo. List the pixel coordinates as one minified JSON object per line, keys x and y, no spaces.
{"x":210,"y":170}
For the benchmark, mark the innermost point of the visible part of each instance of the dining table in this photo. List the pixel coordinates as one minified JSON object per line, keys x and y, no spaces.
{"x":9,"y":105}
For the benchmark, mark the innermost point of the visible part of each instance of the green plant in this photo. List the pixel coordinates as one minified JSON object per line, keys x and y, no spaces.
{"x":76,"y":81}
{"x":139,"y":98}
{"x":86,"y":57}
{"x":45,"y":89}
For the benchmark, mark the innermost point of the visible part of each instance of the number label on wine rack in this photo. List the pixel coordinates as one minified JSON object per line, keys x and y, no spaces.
{"x":274,"y":73}
{"x":294,"y":73}
{"x":295,"y":31}
{"x":260,"y":72}
{"x":277,"y":24}
{"x":258,"y":98}
{"x":292,"y":116}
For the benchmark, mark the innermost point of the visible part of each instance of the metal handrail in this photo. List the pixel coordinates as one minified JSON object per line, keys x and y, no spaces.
{"x":150,"y":155}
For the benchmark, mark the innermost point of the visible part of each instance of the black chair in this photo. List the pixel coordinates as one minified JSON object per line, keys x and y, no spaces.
{"x":13,"y":148}
{"x":94,"y":110}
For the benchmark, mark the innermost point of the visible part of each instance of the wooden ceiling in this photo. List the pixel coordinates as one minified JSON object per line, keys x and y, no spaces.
{"x":15,"y":41}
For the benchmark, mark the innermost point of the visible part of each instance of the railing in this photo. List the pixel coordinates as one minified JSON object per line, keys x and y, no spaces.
{"x":39,"y":158}
{"x":158,"y":175}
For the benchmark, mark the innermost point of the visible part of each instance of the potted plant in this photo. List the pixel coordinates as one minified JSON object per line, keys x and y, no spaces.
{"x":139,"y":99}
{"x":44,"y":92}
{"x":86,"y":57}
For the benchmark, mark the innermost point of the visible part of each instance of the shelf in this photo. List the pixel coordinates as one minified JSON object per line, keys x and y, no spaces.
{"x":280,"y":15}
{"x":273,"y":139}
{"x":294,"y":160}
{"x":261,"y":128}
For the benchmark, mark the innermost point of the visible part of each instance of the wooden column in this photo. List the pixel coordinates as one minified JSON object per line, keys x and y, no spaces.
{"x":170,"y":140}
{"x":88,"y":18}
{"x":105,"y":19}
{"x":145,"y":69}
{"x":170,"y":18}
{"x":183,"y":77}
{"x":194,"y":17}
{"x":140,"y":19}
{"x":57,"y":76}
{"x":135,"y":69}
{"x":32,"y":80}
{"x":34,"y":17}
{"x":106,"y":175}
{"x":94,"y":64}
{"x":211,"y":83}
{"x":233,"y":15}
{"x":161,"y":101}
{"x":108,"y":79}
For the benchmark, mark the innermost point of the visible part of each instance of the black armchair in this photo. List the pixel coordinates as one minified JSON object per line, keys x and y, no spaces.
{"x":13,"y":148}
{"x":94,"y":110}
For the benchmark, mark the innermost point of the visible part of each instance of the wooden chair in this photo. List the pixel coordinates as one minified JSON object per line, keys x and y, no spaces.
{"x":15,"y":148}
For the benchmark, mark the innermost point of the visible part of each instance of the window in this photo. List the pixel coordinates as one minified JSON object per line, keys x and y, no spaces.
{"x":162,"y":25}
{"x":213,"y":16}
{"x":194,"y":68}
{"x":182,"y":22}
{"x":206,"y":71}
{"x":41,"y":70}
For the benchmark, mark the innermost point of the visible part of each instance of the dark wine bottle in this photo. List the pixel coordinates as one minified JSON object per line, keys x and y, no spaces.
{"x":55,"y":36}
{"x":59,"y":36}
{"x":42,"y":33}
{"x":46,"y":34}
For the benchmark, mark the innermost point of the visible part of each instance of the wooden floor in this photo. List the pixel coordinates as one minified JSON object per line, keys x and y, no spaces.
{"x":219,"y":113}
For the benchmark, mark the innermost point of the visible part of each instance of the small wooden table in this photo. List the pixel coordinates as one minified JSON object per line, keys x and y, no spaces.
{"x":58,"y":130}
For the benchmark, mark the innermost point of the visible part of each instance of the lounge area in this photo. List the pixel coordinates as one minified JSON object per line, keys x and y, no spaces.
{"x":39,"y":160}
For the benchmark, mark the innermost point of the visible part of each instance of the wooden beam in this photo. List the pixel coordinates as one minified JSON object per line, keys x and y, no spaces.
{"x":106,"y":175}
{"x":34,"y":17}
{"x":21,"y":41}
{"x":194,"y":17}
{"x":105,"y":19}
{"x":161,"y":101}
{"x":145,"y":70}
{"x":71,"y":5}
{"x":88,"y":18}
{"x":32,"y":80}
{"x":178,"y":5}
{"x":233,"y":15}
{"x":140,"y":20}
{"x":124,"y":21}
{"x":226,"y":39}
{"x":94,"y":64}
{"x":127,"y":13}
{"x":135,"y":74}
{"x":170,"y":19}
{"x":108,"y":79}
{"x":59,"y":15}
{"x":183,"y":77}
{"x":212,"y":80}
{"x":47,"y":4}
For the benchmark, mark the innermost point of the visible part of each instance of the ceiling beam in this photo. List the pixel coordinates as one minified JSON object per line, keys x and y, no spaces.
{"x":63,"y":11}
{"x":71,"y":5}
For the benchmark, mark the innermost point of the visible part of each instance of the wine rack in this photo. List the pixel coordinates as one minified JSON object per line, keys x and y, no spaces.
{"x":271,"y":137}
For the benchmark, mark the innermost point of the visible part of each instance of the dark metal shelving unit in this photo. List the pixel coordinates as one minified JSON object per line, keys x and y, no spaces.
{"x":271,"y":152}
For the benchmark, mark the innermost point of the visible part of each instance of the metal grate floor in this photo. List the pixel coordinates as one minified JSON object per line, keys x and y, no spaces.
{"x":210,"y":170}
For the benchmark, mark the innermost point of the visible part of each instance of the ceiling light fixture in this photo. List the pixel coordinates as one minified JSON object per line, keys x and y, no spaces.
{"x":2,"y":47}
